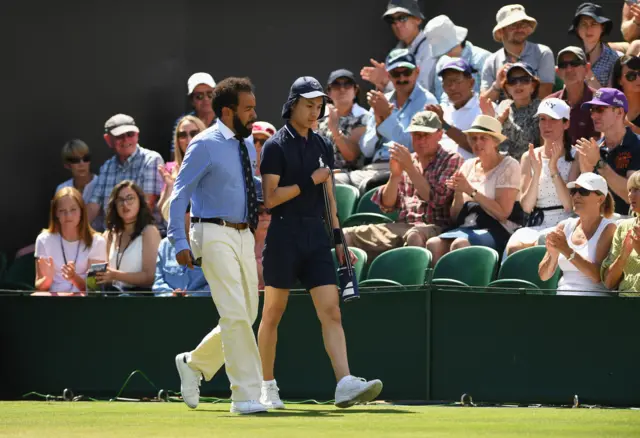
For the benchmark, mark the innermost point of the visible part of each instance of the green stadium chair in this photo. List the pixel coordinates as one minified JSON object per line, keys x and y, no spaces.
{"x":360,"y":263}
{"x":475,"y":266}
{"x":523,"y":265}
{"x":365,"y":219}
{"x":365,"y":205}
{"x":449,"y":284}
{"x":346,"y":198}
{"x":557,"y":85}
{"x":511,"y":286}
{"x":406,"y":266}
{"x":22,"y":271}
{"x":11,"y":285}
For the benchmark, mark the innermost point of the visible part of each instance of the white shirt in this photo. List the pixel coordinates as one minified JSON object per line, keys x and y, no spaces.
{"x":462,"y":119}
{"x":88,"y":189}
{"x":54,"y":246}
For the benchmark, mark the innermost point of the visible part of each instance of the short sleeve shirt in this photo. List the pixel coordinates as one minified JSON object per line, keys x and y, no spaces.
{"x":294,"y":158}
{"x":622,"y":159}
{"x":356,"y":119}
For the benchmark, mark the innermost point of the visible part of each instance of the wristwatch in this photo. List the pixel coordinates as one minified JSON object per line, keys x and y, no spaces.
{"x":474,"y":193}
{"x":572,"y":256}
{"x":600,"y":164}
{"x":445,"y":126}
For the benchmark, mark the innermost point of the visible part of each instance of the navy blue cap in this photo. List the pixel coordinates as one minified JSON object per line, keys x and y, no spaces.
{"x":342,"y":73}
{"x":409,"y":7}
{"x":400,"y":58}
{"x":460,"y":65}
{"x":307,"y":87}
{"x":257,"y":181}
{"x":524,"y":66}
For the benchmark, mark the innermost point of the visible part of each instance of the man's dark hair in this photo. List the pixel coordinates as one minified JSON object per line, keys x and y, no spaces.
{"x":225,"y":94}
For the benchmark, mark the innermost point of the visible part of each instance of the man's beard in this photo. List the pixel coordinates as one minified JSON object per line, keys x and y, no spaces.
{"x":241,"y":129}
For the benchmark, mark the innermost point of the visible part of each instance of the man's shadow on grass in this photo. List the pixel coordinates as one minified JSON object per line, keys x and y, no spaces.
{"x":335,"y":412}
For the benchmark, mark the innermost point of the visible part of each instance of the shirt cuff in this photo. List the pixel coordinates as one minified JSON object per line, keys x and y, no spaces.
{"x":386,"y":127}
{"x":181,"y":244}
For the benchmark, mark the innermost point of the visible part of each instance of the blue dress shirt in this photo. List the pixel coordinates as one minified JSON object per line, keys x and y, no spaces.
{"x":170,"y":275}
{"x":211,"y":177}
{"x":376,"y":140}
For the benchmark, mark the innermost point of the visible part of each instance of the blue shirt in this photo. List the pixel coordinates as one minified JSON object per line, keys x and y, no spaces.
{"x":376,"y":140}
{"x":170,"y":275}
{"x":211,"y":176}
{"x":475,"y":56}
{"x":294,"y":158}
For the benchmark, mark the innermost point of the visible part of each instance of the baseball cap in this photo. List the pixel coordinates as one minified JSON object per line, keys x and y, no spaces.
{"x":400,"y":58}
{"x":120,"y":124}
{"x":264,"y":128}
{"x":200,"y":78}
{"x":409,"y":7}
{"x":524,"y":66}
{"x":458,"y":64}
{"x":307,"y":87}
{"x":608,"y":97}
{"x":555,"y":108}
{"x":425,"y":121}
{"x":574,"y":50}
{"x":342,"y":73}
{"x":590,"y":181}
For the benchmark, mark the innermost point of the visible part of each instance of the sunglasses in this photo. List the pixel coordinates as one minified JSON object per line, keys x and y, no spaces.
{"x":597,"y":109}
{"x":200,"y":96}
{"x":515,"y":80}
{"x":184,"y":134}
{"x":398,"y":19}
{"x":396,"y":73}
{"x":126,"y":134}
{"x":346,"y":85}
{"x":76,"y":160}
{"x":572,"y":63}
{"x":582,"y":191}
{"x":632,"y":75}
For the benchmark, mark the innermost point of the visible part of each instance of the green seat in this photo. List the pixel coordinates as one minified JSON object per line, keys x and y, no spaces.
{"x":511,"y":286}
{"x":12,"y":285}
{"x":558,"y":84}
{"x":449,"y":284}
{"x":474,"y":266}
{"x":365,"y":205}
{"x":365,"y":219}
{"x":523,"y":265}
{"x":346,"y":198}
{"x":406,"y":265}
{"x":379,"y":282}
{"x":360,"y":264}
{"x":22,"y":271}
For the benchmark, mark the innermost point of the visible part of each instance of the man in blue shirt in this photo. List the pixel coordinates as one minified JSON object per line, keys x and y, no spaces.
{"x":295,"y":163}
{"x":217,"y":177}
{"x":389,"y":118}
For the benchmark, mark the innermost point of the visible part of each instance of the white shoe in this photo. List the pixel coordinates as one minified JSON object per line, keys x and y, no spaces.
{"x":247,"y":407}
{"x":351,"y":390}
{"x":269,"y":395}
{"x":189,"y":381}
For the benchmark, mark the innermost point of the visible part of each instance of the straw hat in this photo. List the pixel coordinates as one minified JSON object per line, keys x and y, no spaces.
{"x":510,"y":14}
{"x":487,"y":125}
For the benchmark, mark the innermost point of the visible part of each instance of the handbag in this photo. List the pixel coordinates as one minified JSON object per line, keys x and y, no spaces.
{"x":536,"y":217}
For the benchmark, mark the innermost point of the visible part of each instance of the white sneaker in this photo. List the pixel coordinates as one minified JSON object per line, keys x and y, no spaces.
{"x":247,"y":407}
{"x":269,"y":395}
{"x":351,"y":390}
{"x":189,"y":381}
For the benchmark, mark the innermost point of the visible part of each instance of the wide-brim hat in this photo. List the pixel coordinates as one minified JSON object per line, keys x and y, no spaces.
{"x":594,"y":11}
{"x":443,"y":35}
{"x":487,"y":125}
{"x":510,"y":14}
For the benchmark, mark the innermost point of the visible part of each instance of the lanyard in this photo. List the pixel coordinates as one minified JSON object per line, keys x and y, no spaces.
{"x":121,"y":254}
{"x":64,"y":255}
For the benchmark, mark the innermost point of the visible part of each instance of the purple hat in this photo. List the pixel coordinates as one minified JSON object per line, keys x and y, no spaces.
{"x":608,"y":97}
{"x":458,"y":64}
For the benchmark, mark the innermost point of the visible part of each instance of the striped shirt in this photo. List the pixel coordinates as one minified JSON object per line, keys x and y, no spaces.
{"x":435,"y":210}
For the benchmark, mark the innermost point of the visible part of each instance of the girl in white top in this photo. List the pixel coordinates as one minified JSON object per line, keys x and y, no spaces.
{"x":132,"y":240}
{"x":579,"y":245}
{"x":546,"y":170}
{"x":65,"y":251}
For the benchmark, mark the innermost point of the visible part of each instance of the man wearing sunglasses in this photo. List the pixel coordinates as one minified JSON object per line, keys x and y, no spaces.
{"x":200,"y":94}
{"x":404,"y":18}
{"x":617,"y":155}
{"x":573,"y":69}
{"x":130,"y":162}
{"x":389,"y":118}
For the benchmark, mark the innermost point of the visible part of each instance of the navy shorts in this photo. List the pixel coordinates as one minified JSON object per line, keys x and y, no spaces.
{"x":297,"y":249}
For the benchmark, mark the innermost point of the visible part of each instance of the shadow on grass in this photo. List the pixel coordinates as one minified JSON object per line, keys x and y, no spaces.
{"x":335,"y":412}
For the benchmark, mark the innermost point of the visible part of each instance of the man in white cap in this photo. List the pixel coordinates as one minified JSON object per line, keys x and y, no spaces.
{"x":404,"y":17}
{"x":513,"y":29}
{"x":448,"y":41}
{"x":131,"y":161}
{"x":200,"y":94}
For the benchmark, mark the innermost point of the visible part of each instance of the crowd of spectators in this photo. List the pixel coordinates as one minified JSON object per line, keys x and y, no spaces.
{"x":508,"y":150}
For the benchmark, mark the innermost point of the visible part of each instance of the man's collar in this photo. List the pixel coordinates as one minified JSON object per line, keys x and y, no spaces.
{"x":224,"y":130}
{"x":421,"y":36}
{"x":130,"y":157}
{"x":527,"y":47}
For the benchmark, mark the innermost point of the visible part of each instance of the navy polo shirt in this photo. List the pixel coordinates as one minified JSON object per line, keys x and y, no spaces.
{"x":294,"y":158}
{"x":623,"y":158}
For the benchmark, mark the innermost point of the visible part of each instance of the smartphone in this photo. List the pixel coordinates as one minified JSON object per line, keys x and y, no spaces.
{"x":91,"y":276}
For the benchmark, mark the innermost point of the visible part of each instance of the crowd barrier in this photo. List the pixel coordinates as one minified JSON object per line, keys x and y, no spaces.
{"x":426,"y":345}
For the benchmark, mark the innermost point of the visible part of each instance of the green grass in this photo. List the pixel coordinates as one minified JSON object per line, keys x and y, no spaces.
{"x":134,"y":420}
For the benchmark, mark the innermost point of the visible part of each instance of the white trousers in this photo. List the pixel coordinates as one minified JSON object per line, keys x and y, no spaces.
{"x":229,"y":265}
